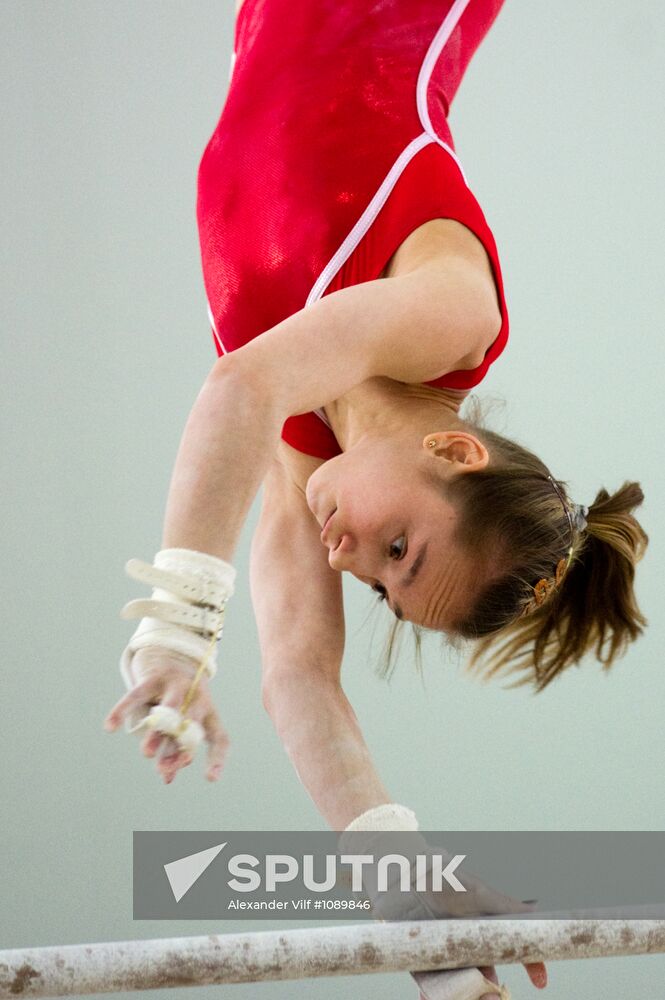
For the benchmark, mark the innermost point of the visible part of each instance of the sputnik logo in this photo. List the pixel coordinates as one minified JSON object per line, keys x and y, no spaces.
{"x":183,"y":873}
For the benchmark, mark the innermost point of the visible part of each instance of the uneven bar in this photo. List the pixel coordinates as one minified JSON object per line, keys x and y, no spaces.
{"x":119,"y":966}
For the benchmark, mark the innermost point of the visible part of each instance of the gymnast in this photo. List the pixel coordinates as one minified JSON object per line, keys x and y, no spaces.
{"x":355,"y":299}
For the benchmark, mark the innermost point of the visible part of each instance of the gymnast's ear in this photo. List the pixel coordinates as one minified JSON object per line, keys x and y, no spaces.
{"x":464,"y":452}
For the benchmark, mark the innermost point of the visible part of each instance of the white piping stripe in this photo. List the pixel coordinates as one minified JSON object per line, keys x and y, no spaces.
{"x":214,"y":330}
{"x":365,"y":221}
{"x":372,"y":210}
{"x":443,"y":34}
{"x":367,"y":218}
{"x":322,"y":416}
{"x":451,"y":152}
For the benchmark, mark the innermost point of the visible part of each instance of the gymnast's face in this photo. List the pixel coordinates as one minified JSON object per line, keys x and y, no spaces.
{"x":385,"y":521}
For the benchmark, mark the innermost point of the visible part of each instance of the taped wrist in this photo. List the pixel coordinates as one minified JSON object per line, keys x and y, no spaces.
{"x":388,"y":816}
{"x":391,"y":829}
{"x":186,"y":608}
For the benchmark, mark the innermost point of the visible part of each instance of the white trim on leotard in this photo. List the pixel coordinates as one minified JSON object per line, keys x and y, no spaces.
{"x":363,"y":224}
{"x":377,"y":202}
{"x":429,"y":62}
{"x":365,"y":221}
{"x":215,"y":331}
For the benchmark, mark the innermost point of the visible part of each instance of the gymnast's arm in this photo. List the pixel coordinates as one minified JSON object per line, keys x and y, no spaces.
{"x":299,"y":613}
{"x":313,"y":357}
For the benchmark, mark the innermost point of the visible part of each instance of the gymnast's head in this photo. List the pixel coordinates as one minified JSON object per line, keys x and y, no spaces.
{"x":469,"y":534}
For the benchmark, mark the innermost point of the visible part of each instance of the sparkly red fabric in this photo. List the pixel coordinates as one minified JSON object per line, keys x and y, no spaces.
{"x":321,"y":103}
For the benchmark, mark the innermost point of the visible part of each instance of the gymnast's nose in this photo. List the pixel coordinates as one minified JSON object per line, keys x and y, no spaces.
{"x":344,"y":552}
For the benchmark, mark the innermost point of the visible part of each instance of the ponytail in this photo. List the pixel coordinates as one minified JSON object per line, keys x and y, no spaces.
{"x":592,"y":609}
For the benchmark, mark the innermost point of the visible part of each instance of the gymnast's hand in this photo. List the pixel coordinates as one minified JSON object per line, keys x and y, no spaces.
{"x":478,"y":900}
{"x":414,"y":903}
{"x":163,"y":678}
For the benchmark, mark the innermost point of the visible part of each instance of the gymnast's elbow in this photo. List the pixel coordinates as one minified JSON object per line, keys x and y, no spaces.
{"x":279,"y":696}
{"x":232,"y":377}
{"x":290,"y":697}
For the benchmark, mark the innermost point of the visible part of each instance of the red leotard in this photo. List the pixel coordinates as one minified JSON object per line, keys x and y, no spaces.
{"x":333,"y":146}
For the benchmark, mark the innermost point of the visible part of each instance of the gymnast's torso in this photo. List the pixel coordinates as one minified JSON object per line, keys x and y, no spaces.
{"x":332,"y":161}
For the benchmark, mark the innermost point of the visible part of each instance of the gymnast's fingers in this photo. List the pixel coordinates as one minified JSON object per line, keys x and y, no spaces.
{"x":142,"y":694}
{"x":171,"y":758}
{"x":171,"y":755}
{"x":489,"y":972}
{"x":218,"y":744}
{"x":537,"y":973}
{"x":491,"y":901}
{"x":151,"y":743}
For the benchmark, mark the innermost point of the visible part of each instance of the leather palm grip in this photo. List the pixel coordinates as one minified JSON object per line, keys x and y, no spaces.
{"x":183,"y":615}
{"x":186,"y":608}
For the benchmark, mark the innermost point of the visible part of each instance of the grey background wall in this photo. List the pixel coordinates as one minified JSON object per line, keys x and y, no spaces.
{"x":106,"y":110}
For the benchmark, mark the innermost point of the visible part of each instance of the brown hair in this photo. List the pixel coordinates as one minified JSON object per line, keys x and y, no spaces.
{"x":512,"y":510}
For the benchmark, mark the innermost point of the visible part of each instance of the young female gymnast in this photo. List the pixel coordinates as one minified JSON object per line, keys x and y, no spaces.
{"x":355,"y":298}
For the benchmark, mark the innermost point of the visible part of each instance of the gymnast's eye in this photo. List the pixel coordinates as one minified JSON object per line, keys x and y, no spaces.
{"x":398,"y":548}
{"x":379,"y":589}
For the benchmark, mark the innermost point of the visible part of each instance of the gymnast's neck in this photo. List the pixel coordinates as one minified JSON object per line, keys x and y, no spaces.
{"x":383,"y":407}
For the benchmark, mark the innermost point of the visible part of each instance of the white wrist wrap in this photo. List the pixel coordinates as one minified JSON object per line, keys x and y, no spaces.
{"x":186,"y":608}
{"x":389,"y":816}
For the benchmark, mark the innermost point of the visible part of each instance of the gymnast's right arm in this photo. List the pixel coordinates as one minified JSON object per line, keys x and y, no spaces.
{"x":299,"y":613}
{"x":229,"y":442}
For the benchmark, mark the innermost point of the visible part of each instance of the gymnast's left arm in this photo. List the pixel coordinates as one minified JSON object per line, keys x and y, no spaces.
{"x":298,"y":605}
